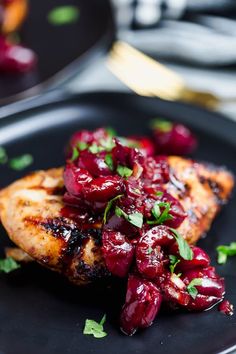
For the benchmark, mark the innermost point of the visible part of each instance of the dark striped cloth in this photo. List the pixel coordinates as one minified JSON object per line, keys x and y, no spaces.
{"x":146,"y":13}
{"x":200,"y":32}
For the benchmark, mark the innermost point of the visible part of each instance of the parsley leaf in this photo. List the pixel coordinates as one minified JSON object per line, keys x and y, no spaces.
{"x":160,"y":217}
{"x":81,"y":145}
{"x":3,"y":156}
{"x":107,"y":144}
{"x":159,"y":193}
{"x":124,"y":171}
{"x":163,"y":125}
{"x":109,"y":161}
{"x":191,"y":287}
{"x":94,"y":328}
{"x":184,"y":250}
{"x":224,"y":251}
{"x":8,"y":264}
{"x":21,"y":162}
{"x":111,"y":132}
{"x":75,"y":154}
{"x":135,"y":219}
{"x":94,"y":148}
{"x":63,"y":15}
{"x":173,"y":262}
{"x":109,"y":206}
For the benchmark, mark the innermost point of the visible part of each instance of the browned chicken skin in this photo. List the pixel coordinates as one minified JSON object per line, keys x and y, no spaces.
{"x":30,"y":212}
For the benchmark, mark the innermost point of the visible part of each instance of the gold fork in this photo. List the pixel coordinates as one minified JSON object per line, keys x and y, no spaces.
{"x":147,"y":77}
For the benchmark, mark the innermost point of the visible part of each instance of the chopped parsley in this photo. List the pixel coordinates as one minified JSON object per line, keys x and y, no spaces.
{"x":75,"y":154}
{"x":124,"y":171}
{"x":159,"y":193}
{"x":160,"y":217}
{"x":135,"y":219}
{"x":111,"y":132}
{"x":94,"y":148}
{"x":225,"y":251}
{"x":8,"y":264}
{"x":149,"y":250}
{"x":81,"y":145}
{"x":94,"y":328}
{"x":184,"y":249}
{"x":191,"y":288}
{"x":107,"y":144}
{"x":63,"y":15}
{"x":109,"y":206}
{"x":21,"y":162}
{"x":109,"y":161}
{"x":174,"y":260}
{"x":3,"y":156}
{"x":162,"y":125}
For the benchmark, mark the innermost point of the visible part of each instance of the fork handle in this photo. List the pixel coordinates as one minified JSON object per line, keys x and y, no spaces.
{"x":204,"y":99}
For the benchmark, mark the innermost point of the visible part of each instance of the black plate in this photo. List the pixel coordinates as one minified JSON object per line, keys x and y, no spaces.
{"x":39,"y":311}
{"x":61,"y":49}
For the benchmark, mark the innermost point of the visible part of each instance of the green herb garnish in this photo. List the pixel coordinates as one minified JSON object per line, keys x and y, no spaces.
{"x":191,"y":288}
{"x":107,"y":144}
{"x":81,"y":145}
{"x":160,"y":217}
{"x":111,"y":132}
{"x":21,"y":162}
{"x":184,"y":250}
{"x":94,"y":148}
{"x":109,"y":206}
{"x":94,"y":328}
{"x":109,"y":161}
{"x":163,"y":125}
{"x":135,"y":219}
{"x":124,"y":171}
{"x":75,"y":154}
{"x":159,"y":193}
{"x":150,"y":249}
{"x":8,"y":264}
{"x":224,"y":251}
{"x":3,"y":156}
{"x":63,"y":15}
{"x":174,"y":260}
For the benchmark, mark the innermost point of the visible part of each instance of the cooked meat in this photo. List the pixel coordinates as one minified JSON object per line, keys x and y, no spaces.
{"x":30,"y":212}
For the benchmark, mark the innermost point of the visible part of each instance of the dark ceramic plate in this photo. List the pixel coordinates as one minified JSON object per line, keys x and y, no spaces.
{"x":39,"y":311}
{"x":61,"y":50}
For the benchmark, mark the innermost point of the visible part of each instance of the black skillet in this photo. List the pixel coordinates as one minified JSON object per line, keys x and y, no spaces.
{"x":39,"y":311}
{"x":62,"y":50}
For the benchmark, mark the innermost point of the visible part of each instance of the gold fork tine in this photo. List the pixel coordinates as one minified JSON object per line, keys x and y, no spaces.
{"x":147,"y":77}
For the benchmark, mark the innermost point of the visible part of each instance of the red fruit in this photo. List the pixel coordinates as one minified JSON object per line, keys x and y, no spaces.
{"x":150,"y":258}
{"x":174,"y":290}
{"x":144,"y":144}
{"x":89,"y":137}
{"x":76,"y":179}
{"x":226,"y":307}
{"x":156,"y":170}
{"x":209,"y":292}
{"x":15,"y":58}
{"x":173,"y":138}
{"x":102,"y":189}
{"x":94,"y":163}
{"x":200,"y":259}
{"x":143,"y":301}
{"x":118,"y":252}
{"x":176,"y":211}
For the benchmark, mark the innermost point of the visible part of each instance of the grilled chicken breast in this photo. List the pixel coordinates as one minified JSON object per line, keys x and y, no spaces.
{"x":30,"y":212}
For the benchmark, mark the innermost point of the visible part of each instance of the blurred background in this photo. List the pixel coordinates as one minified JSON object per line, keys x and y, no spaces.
{"x":194,"y":38}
